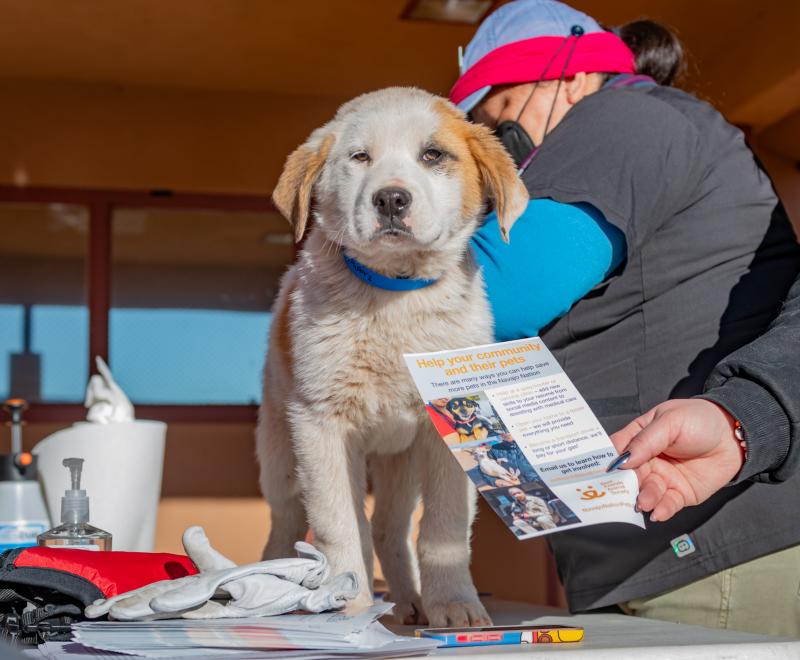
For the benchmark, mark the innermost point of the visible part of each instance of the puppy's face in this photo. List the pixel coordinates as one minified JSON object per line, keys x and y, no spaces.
{"x":399,"y":170}
{"x":397,"y":176}
{"x":462,"y":409}
{"x":479,"y":453}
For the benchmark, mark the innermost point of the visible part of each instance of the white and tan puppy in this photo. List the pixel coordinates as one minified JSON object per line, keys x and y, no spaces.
{"x":398,"y":181}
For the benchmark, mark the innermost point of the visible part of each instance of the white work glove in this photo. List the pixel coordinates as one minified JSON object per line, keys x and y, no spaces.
{"x":264,"y":588}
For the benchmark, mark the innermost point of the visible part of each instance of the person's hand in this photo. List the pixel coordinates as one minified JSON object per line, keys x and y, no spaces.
{"x":683,"y":451}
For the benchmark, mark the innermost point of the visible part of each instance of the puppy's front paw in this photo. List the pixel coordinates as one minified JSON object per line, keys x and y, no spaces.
{"x":408,"y":611}
{"x":457,"y":614}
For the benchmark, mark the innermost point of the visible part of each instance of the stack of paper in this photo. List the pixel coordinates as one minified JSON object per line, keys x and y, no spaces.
{"x":306,"y":636}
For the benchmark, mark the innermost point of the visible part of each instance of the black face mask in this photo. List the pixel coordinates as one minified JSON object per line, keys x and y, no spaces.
{"x":514,"y":138}
{"x":516,"y":141}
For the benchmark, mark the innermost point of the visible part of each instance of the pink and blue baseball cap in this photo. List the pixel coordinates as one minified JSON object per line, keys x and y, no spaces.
{"x":524,"y":41}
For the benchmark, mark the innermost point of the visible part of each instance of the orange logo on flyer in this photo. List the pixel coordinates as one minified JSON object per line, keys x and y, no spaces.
{"x":589,"y":493}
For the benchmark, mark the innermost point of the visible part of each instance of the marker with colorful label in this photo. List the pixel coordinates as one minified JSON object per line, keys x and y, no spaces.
{"x":497,"y":635}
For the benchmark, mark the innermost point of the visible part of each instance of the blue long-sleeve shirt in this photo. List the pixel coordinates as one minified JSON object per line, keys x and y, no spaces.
{"x":557,"y":253}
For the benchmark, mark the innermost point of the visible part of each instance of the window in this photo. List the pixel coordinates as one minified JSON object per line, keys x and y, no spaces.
{"x":191,"y":292}
{"x":174,"y":291}
{"x":44,"y":320}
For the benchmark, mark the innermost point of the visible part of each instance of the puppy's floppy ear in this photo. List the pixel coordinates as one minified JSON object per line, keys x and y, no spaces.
{"x":499,"y":177}
{"x":292,"y":195}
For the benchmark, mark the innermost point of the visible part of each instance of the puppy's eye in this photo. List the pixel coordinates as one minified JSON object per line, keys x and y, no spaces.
{"x":431,"y":155}
{"x":360,"y":156}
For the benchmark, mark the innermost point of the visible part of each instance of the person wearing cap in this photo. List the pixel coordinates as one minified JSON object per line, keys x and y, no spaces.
{"x":654,"y":245}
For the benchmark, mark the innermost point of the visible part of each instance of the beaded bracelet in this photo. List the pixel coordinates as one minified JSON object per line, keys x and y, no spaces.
{"x":738,"y":432}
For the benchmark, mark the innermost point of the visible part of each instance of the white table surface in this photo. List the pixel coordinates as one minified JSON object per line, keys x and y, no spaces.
{"x":616,"y":636}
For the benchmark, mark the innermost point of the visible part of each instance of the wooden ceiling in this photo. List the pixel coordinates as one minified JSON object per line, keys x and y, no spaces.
{"x":745,"y":56}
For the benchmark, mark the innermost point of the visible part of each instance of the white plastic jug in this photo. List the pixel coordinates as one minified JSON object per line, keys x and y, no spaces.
{"x":22,"y":514}
{"x":123,"y":463}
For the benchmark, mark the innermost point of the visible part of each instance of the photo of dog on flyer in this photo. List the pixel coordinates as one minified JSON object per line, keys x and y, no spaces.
{"x":465,"y":420}
{"x":497,"y":463}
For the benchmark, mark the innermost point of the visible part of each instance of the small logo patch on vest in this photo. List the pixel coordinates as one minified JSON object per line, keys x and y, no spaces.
{"x":682,"y":545}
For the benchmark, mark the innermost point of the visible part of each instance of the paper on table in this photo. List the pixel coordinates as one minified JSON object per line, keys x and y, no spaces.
{"x":356,"y":634}
{"x":403,"y":647}
{"x":525,"y":436}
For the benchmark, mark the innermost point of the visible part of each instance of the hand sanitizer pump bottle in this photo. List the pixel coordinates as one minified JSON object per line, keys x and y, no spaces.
{"x":75,"y":532}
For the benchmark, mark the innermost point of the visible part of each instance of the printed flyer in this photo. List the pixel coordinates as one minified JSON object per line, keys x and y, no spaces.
{"x":525,"y":437}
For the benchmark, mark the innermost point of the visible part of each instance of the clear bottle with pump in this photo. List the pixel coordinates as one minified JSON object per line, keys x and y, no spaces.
{"x":75,"y":531}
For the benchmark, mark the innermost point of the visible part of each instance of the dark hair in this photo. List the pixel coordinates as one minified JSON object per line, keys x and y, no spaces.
{"x":658,"y":51}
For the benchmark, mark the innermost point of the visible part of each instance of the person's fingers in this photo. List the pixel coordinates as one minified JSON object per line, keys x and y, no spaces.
{"x":671,"y":502}
{"x":651,"y":491}
{"x":642,"y":472}
{"x":651,"y":441}
{"x":621,"y":438}
{"x":199,"y":549}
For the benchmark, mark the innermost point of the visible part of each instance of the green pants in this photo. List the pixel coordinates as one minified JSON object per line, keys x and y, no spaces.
{"x":759,"y":596}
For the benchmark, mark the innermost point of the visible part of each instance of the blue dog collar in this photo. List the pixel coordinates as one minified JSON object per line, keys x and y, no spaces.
{"x":382,"y":281}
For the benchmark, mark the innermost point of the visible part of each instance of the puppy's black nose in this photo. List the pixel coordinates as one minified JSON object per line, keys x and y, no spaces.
{"x":392,"y":203}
